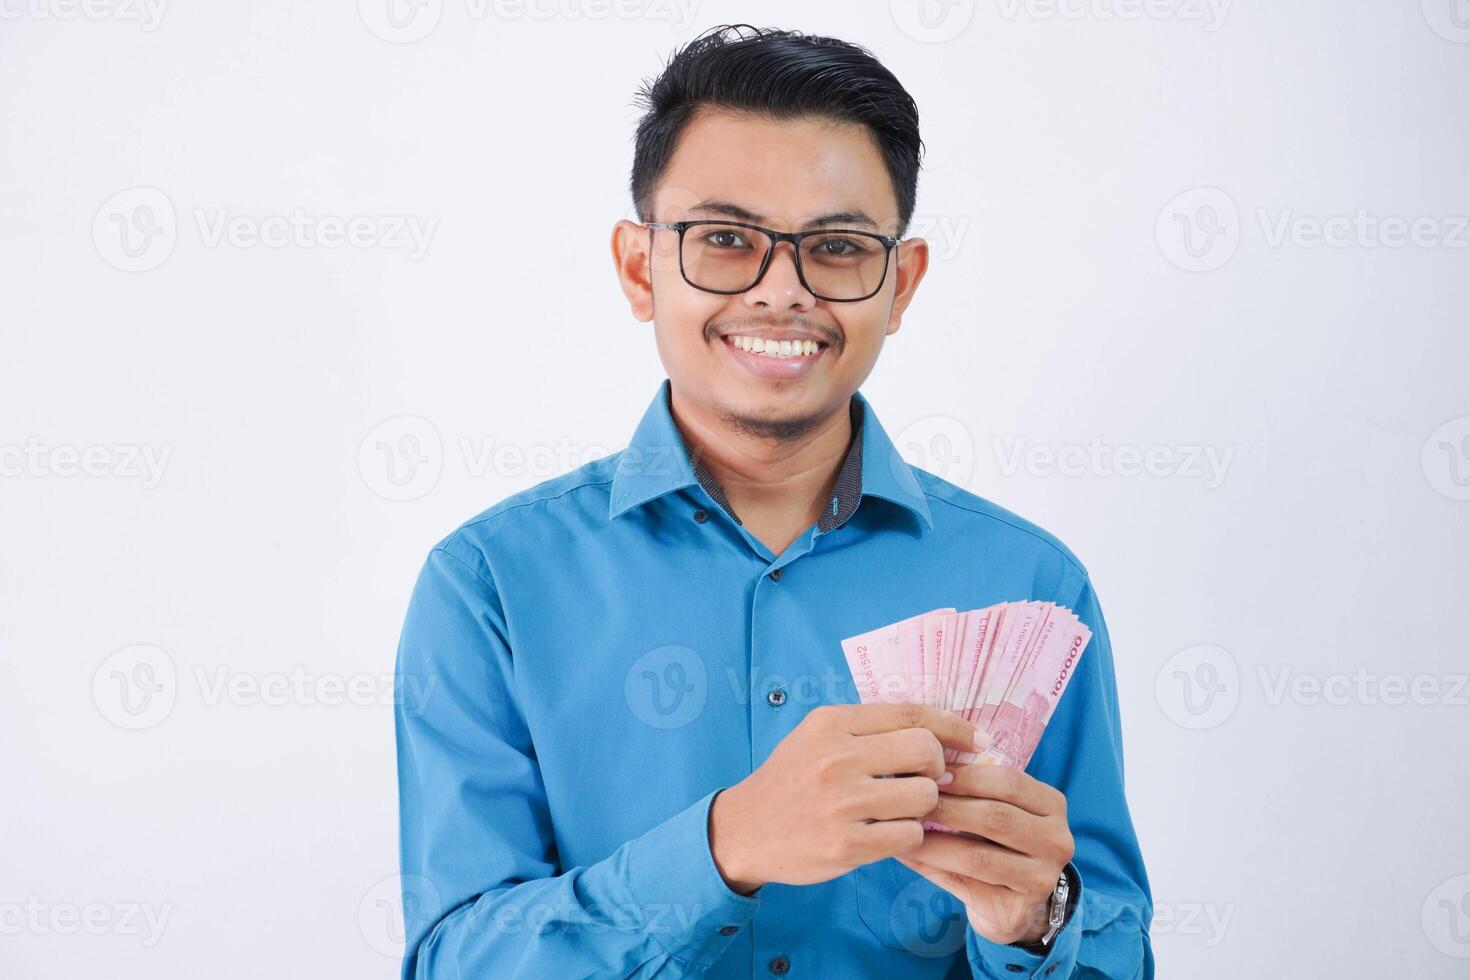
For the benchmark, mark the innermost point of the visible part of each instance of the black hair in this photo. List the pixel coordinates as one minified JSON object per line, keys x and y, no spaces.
{"x":782,"y":75}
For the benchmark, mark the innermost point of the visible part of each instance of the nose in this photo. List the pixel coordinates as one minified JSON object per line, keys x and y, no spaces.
{"x":780,"y":287}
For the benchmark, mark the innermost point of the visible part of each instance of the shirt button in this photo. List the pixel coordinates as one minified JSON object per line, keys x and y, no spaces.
{"x":776,"y":698}
{"x":776,"y":575}
{"x":1051,"y":969}
{"x":701,"y":515}
{"x":780,"y":965}
{"x":729,"y":930}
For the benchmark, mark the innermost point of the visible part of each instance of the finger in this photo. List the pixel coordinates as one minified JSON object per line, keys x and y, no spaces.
{"x":952,"y":731}
{"x":948,"y":880}
{"x":984,"y":861}
{"x":888,"y":838}
{"x":1007,"y":785}
{"x":902,"y":797}
{"x":1004,"y":823}
{"x":999,"y":912}
{"x":908,"y":750}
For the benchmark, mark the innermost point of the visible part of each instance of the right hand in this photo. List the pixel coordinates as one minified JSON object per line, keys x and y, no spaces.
{"x":816,"y":808}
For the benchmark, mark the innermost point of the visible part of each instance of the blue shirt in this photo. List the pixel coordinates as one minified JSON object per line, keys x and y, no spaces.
{"x":605,"y":651}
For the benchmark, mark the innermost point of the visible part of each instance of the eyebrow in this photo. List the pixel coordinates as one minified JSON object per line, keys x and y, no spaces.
{"x":726,"y":209}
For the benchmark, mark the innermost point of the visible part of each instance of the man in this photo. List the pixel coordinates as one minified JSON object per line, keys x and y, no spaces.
{"x":643,"y":756}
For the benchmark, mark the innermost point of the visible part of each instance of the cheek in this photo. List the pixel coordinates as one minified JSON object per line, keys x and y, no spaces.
{"x":681,"y":317}
{"x":863,"y":331}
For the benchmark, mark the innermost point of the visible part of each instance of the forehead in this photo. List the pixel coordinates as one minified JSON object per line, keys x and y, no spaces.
{"x":788,"y":171}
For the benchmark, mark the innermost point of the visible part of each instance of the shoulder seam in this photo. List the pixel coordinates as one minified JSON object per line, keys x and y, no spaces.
{"x":526,"y":503}
{"x":443,"y":550}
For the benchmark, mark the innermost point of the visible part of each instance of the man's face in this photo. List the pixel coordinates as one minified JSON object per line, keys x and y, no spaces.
{"x":785,"y":176}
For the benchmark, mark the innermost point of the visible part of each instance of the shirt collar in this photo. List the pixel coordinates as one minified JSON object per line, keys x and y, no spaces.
{"x":657,"y":462}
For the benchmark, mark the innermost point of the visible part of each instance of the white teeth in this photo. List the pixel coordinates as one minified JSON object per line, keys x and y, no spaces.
{"x":775,"y":348}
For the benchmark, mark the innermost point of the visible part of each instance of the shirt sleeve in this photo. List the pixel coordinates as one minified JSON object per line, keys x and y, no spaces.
{"x":1081,"y":754}
{"x":484,"y":894}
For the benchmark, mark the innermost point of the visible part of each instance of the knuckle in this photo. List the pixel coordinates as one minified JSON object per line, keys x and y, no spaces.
{"x":823,"y":716}
{"x":1010,"y":779}
{"x":911,"y":715}
{"x":927,"y":747}
{"x":981,"y":861}
{"x":929,"y":795}
{"x":999,"y":820}
{"x":829,"y":768}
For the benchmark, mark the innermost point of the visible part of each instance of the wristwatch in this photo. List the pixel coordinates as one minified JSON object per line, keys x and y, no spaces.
{"x":1056,"y":915}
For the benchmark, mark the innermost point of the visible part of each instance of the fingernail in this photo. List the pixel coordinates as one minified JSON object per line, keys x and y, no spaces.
{"x":946,"y":778}
{"x":982,"y":739}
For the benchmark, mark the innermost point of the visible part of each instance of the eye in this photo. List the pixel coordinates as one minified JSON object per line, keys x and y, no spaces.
{"x":722,"y":238}
{"x":839,"y":248}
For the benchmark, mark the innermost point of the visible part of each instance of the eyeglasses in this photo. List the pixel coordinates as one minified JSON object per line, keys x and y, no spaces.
{"x":727,"y":257}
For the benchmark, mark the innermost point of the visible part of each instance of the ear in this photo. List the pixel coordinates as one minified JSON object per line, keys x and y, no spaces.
{"x":911,"y":259}
{"x":632,"y":258}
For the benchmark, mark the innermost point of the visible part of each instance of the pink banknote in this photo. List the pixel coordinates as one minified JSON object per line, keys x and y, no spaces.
{"x":1003,"y":667}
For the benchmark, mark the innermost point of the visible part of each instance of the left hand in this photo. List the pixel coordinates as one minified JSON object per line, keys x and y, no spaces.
{"x":1005,"y":880}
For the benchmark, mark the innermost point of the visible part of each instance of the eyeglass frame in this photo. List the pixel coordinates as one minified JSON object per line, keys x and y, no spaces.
{"x":775,"y":238}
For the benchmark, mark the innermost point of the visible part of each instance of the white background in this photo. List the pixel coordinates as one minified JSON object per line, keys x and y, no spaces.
{"x":1312,"y":830}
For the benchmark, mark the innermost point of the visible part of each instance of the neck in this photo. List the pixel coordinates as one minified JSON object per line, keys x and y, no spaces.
{"x":778,"y":478}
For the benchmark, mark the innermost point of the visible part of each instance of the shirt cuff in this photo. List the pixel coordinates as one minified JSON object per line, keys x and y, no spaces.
{"x":996,"y":961}
{"x":682,"y":898}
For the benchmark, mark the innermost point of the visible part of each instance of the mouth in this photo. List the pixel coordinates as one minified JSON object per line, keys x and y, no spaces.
{"x":778,"y":360}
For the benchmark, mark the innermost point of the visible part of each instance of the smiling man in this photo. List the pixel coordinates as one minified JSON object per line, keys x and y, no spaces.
{"x":643,"y":756}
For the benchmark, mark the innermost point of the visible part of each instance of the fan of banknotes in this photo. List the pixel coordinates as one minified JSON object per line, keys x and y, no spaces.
{"x":1003,"y":668}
